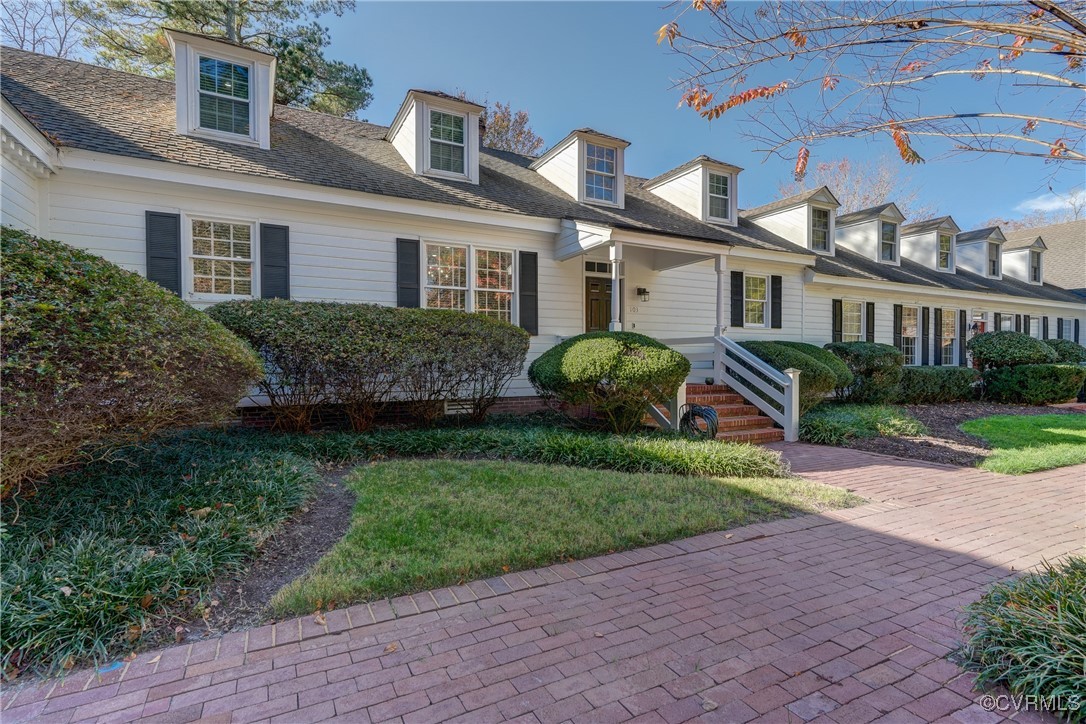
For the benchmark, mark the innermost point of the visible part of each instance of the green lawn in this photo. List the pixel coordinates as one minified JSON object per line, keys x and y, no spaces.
{"x":1027,"y":443}
{"x":421,"y":524}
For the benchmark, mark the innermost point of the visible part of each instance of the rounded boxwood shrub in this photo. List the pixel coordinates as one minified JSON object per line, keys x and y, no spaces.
{"x":1034,"y":384}
{"x":936,"y":385}
{"x":1067,"y":351}
{"x":618,"y":374}
{"x":836,"y":364}
{"x":815,"y":380}
{"x":1007,"y":349}
{"x":95,"y":355}
{"x":876,"y":369}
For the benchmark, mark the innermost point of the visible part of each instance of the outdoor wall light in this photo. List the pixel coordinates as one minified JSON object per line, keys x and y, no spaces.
{"x":643,"y":294}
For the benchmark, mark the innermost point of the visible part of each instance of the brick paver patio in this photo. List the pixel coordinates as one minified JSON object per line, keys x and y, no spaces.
{"x":842,"y":617}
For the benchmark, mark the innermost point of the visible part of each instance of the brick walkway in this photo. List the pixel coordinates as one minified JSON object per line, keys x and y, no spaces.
{"x":841,"y":617}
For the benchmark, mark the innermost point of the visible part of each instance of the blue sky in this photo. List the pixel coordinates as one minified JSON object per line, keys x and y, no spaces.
{"x":576,"y":64}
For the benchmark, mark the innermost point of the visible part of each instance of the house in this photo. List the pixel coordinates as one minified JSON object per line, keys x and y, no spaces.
{"x":1062,"y":247}
{"x":205,"y":186}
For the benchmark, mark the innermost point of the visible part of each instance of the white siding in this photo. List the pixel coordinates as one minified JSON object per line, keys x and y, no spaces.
{"x":792,"y":224}
{"x":861,"y":238}
{"x":563,"y":169}
{"x":405,"y":140}
{"x":685,"y":191}
{"x":973,"y":257}
{"x":1016,"y":264}
{"x":19,"y":199}
{"x":920,"y":248}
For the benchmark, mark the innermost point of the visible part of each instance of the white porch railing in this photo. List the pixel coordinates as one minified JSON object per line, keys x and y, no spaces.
{"x":671,"y":419}
{"x":773,"y":392}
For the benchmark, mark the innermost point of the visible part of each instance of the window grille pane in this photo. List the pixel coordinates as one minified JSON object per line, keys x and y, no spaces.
{"x":495,"y":304}
{"x":909,"y":327}
{"x":600,"y":159}
{"x":755,"y":288}
{"x":446,"y":157}
{"x":447,"y":127}
{"x":718,"y":184}
{"x":820,"y":229}
{"x":224,"y":114}
{"x":718,"y":207}
{"x":446,"y":266}
{"x":446,"y":299}
{"x":949,"y":335}
{"x":852,"y":322}
{"x":224,"y":78}
{"x":599,"y":187}
{"x":224,"y":243}
{"x":494,"y":269}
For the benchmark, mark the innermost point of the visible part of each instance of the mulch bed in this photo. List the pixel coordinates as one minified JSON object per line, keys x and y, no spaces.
{"x":945,"y":443}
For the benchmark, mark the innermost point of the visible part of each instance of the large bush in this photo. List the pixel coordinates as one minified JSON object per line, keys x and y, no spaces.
{"x":836,"y":364}
{"x":876,"y":370}
{"x":1067,"y":351}
{"x":815,"y":379}
{"x":1007,"y":349}
{"x":1034,"y":384}
{"x":94,"y":355}
{"x":935,"y":385}
{"x":618,"y":374}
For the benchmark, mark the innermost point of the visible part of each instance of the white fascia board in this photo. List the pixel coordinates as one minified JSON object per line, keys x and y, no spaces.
{"x":23,"y":131}
{"x":294,"y":190}
{"x":710,"y":248}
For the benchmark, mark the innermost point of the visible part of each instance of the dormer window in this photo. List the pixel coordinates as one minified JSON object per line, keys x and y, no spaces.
{"x":946,"y":251}
{"x":888,"y":242}
{"x":447,"y":142}
{"x":719,"y":197}
{"x":1035,"y":266}
{"x":820,"y":229}
{"x":993,"y":259}
{"x":600,"y":173}
{"x":224,"y":96}
{"x":437,"y":135}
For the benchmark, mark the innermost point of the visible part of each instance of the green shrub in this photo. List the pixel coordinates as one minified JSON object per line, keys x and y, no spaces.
{"x":94,"y":355}
{"x":1034,"y":384}
{"x":1027,"y":634}
{"x":815,"y":379}
{"x":843,"y":377}
{"x":936,"y":385}
{"x":1007,"y":349}
{"x":838,"y":423}
{"x":876,"y":370}
{"x":618,"y":374}
{"x":1068,"y":352}
{"x":364,"y":347}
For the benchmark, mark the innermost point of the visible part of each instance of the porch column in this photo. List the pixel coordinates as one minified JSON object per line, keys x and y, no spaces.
{"x":721,"y":296}
{"x":616,"y":290}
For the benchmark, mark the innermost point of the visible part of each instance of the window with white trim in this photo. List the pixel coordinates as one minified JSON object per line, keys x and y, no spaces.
{"x":224,"y":96}
{"x":1035,"y":266}
{"x":469,"y":279}
{"x":600,"y":172}
{"x":1006,"y":322}
{"x":888,"y":241}
{"x":755,"y":300}
{"x":719,"y":196}
{"x":993,"y":259}
{"x":949,"y":336}
{"x":852,"y":321}
{"x":1035,"y":327}
{"x":1067,"y":325}
{"x":448,"y":144}
{"x":946,"y":251}
{"x":222,"y":258}
{"x":820,"y":229}
{"x":910,"y":325}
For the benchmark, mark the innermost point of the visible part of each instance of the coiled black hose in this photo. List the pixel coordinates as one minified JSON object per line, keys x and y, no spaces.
{"x":689,"y":415}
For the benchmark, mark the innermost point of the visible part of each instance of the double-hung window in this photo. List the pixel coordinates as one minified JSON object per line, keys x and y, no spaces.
{"x":946,"y":251}
{"x":820,"y":229}
{"x":852,"y":321}
{"x":910,"y":324}
{"x":224,"y":96}
{"x":1006,"y":322}
{"x":222,"y":258}
{"x":719,"y":197}
{"x":888,"y":241}
{"x":755,"y":300}
{"x":470,"y":279}
{"x":1035,"y":327}
{"x":1035,"y":266}
{"x":993,"y":259}
{"x":600,"y":172}
{"x":949,"y":335}
{"x":1067,"y":328}
{"x":447,"y":142}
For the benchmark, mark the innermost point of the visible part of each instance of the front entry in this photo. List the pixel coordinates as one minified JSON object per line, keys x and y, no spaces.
{"x":597,"y":297}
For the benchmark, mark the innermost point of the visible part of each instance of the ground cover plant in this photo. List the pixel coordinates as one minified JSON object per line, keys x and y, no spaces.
{"x":1027,"y":634}
{"x":421,"y":524}
{"x":836,"y":424}
{"x":1024,"y":444}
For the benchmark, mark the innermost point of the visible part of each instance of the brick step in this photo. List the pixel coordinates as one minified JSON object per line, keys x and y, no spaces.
{"x":757,"y":436}
{"x":702,"y":389}
{"x":723,"y":398}
{"x":722,"y":411}
{"x":744,"y":422}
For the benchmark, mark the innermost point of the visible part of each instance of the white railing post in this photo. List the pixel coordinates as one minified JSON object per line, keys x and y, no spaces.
{"x":676,"y":404}
{"x":791,"y":406}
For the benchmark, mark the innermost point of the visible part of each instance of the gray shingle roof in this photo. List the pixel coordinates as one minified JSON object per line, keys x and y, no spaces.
{"x":785,"y":202}
{"x":965,"y":237}
{"x":922,"y":227}
{"x":685,"y":167}
{"x":1065,"y":258}
{"x":862,"y":215}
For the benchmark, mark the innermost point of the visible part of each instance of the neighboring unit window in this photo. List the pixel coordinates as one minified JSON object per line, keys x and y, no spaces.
{"x":447,"y":148}
{"x":222,"y":258}
{"x":1035,"y":266}
{"x":946,"y":245}
{"x":719,"y":198}
{"x":494,"y":284}
{"x":888,"y":242}
{"x":993,"y":259}
{"x":950,"y":337}
{"x":754,"y":301}
{"x":909,"y":326}
{"x":224,"y":96}
{"x":487,"y":288}
{"x":1068,"y":326}
{"x":600,"y":172}
{"x":1006,"y":322}
{"x":852,"y":321}
{"x":820,"y":229}
{"x":1035,"y":327}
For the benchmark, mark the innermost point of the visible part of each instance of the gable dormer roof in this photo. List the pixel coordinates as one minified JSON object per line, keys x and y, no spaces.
{"x":822,"y":194}
{"x":923,"y":227}
{"x":701,"y":160}
{"x":1030,"y":241}
{"x":988,"y":232}
{"x":875,"y":212}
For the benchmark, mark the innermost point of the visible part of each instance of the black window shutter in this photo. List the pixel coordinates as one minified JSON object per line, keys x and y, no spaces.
{"x":870,"y":321}
{"x":737,"y":299}
{"x":775,"y":307}
{"x":1059,"y":327}
{"x":529,"y":291}
{"x":1025,"y":323}
{"x":1044,"y":327}
{"x":897,"y":326}
{"x":998,"y":324}
{"x":937,"y":322}
{"x":164,"y":250}
{"x":1076,"y":332}
{"x":274,"y":261}
{"x":1018,"y":323}
{"x":962,"y":321}
{"x":408,"y":272}
{"x":925,"y":335}
{"x":838,"y":321}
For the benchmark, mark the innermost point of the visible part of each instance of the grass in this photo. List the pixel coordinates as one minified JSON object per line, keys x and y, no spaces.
{"x":421,"y":524}
{"x":1028,"y":443}
{"x":836,"y":424}
{"x":1028,"y":634}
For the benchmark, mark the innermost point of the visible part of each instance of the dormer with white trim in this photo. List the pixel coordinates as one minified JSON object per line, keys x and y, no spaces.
{"x":225,"y":90}
{"x":1023,"y":259}
{"x":438,"y":135}
{"x":806,"y":219}
{"x":588,"y":166}
{"x":931,"y":243}
{"x":704,"y":188}
{"x":981,"y":251}
{"x":874,"y":233}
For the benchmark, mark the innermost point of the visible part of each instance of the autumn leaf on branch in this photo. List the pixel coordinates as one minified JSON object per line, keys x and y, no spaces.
{"x":746,"y":96}
{"x":829,"y":83}
{"x":670,"y":31}
{"x":904,"y":148}
{"x":801,"y":163}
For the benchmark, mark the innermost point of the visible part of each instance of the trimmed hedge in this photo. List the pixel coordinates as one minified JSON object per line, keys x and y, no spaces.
{"x":1067,"y":351}
{"x":835,"y":363}
{"x":618,"y":374}
{"x":876,"y":369}
{"x":1008,"y":349}
{"x":95,"y":356}
{"x":815,"y":379}
{"x":935,"y":385}
{"x":1034,"y":384}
